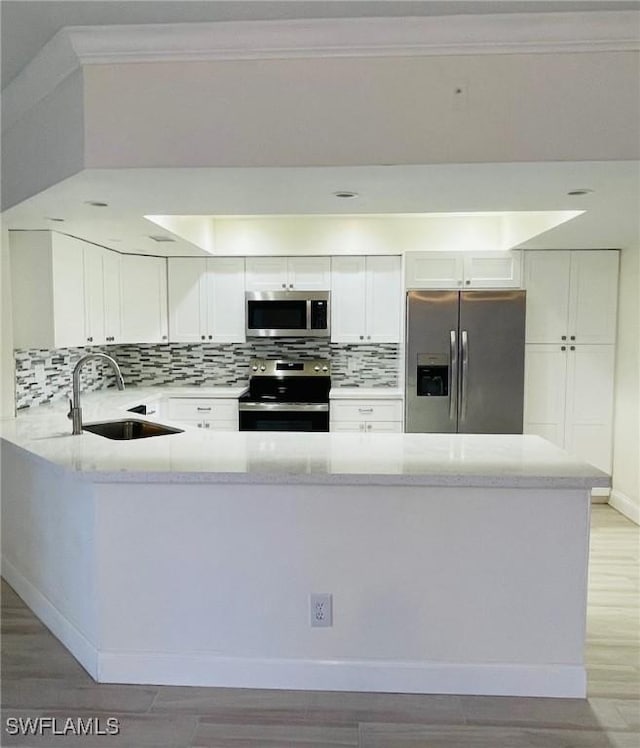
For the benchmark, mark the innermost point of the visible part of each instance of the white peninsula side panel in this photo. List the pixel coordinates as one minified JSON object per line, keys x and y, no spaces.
{"x":196,"y":568}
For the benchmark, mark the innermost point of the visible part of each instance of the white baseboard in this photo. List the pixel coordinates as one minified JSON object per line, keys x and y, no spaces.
{"x":622,"y":503}
{"x":202,"y":669}
{"x":600,"y":495}
{"x":562,"y":681}
{"x":73,"y":639}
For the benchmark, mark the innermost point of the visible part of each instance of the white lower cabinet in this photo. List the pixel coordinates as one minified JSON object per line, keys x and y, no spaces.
{"x":216,"y":414}
{"x":569,"y":398}
{"x":366,"y":415}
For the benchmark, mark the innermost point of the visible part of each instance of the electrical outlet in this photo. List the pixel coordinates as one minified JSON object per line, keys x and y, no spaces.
{"x":321,"y":609}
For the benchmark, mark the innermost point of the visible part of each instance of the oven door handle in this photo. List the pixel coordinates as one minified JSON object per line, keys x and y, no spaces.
{"x":284,"y":407}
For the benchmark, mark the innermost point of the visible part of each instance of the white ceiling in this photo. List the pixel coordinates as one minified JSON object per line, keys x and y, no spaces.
{"x":610,"y":220}
{"x":27,"y":25}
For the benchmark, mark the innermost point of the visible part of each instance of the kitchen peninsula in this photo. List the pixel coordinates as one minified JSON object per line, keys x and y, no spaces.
{"x":456,"y":563}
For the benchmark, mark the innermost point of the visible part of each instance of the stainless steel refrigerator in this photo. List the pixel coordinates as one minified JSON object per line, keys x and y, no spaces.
{"x":465,"y":361}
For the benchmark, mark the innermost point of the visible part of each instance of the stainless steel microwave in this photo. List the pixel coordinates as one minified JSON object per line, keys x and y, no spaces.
{"x":288,"y":314}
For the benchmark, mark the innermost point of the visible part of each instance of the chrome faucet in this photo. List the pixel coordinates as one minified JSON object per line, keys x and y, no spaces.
{"x":75,"y":411}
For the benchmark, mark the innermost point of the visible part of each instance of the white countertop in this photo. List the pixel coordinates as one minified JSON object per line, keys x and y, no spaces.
{"x":365,"y":393}
{"x":270,"y":457}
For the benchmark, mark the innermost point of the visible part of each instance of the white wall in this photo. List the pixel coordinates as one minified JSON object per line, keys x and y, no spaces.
{"x":46,"y":144}
{"x":625,"y":495}
{"x":7,"y":388}
{"x":353,"y":111}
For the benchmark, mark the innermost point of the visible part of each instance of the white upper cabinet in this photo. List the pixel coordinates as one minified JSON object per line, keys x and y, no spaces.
{"x":225,"y":299}
{"x":546,"y":280}
{"x":571,"y":296}
{"x":206,"y":299}
{"x":187,"y":304}
{"x":593,"y":296}
{"x":288,"y":273}
{"x":348,"y":300}
{"x":112,"y":278}
{"x":463,"y":269}
{"x":101,"y":296}
{"x":94,"y":295}
{"x":366,"y":299}
{"x":47,"y":276}
{"x":434,"y":269}
{"x":493,"y":270}
{"x":144,"y":299}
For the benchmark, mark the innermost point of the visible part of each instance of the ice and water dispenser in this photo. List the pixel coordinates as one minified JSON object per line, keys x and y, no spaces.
{"x":433,"y":375}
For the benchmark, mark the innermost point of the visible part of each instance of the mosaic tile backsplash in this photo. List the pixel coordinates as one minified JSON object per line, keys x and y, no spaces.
{"x":44,"y":376}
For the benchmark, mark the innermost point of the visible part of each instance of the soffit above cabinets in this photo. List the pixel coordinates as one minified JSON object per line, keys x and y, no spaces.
{"x":361,"y":234}
{"x":389,"y":196}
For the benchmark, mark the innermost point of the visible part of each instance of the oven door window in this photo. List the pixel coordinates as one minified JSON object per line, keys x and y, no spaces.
{"x":284,"y":421}
{"x":277,"y":315}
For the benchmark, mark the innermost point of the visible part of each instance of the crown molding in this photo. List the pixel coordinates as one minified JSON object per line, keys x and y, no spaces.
{"x":506,"y":33}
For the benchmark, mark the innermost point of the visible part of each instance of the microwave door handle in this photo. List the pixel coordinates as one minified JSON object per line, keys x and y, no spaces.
{"x":308,"y":314}
{"x":453,"y":368}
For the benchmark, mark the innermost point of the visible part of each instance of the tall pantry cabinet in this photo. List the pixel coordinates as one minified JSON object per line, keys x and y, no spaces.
{"x":570,"y":350}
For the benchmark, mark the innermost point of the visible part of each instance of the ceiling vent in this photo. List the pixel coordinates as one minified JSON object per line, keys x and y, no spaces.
{"x":161,"y":238}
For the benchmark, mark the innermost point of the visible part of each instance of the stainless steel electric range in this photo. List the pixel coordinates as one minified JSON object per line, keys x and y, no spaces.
{"x":286,"y":396}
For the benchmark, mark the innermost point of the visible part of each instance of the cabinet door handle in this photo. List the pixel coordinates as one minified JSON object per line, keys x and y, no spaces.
{"x":203,"y":409}
{"x":290,"y":285}
{"x":365,"y":410}
{"x":362,"y":337}
{"x":572,"y":348}
{"x":164,"y":337}
{"x":89,"y":340}
{"x":284,"y":285}
{"x":468,"y":283}
{"x":564,"y":337}
{"x":573,"y":337}
{"x":369,"y":427}
{"x":563,"y":347}
{"x":210,"y":337}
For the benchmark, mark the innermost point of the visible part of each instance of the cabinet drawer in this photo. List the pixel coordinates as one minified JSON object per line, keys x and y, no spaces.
{"x":199,"y":409}
{"x":366,"y":410}
{"x":389,"y":427}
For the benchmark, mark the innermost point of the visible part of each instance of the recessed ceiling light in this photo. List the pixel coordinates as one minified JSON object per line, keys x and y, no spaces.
{"x":581,"y":191}
{"x":57,"y":220}
{"x":96,"y":203}
{"x":346,"y":194}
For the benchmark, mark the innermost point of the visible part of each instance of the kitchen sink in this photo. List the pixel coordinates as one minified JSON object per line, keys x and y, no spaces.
{"x":129,"y":429}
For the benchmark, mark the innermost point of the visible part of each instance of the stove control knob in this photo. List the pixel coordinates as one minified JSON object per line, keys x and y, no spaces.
{"x":255,"y":368}
{"x":316,"y":368}
{"x":325,"y":368}
{"x":263,"y":368}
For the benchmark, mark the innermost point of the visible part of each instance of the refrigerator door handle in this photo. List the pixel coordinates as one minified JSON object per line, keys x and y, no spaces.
{"x":453,"y":384}
{"x":463,"y":378}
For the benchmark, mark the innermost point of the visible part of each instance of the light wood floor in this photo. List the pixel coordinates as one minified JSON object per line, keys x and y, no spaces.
{"x":41,"y":678}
